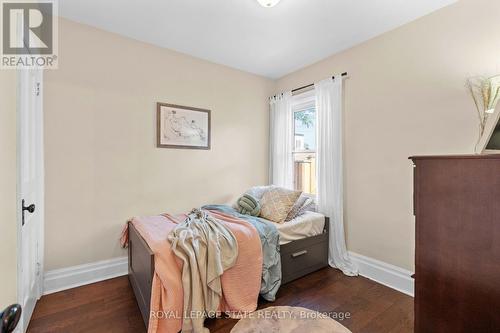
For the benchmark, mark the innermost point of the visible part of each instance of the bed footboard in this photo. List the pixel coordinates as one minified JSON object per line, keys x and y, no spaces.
{"x":140,"y":271}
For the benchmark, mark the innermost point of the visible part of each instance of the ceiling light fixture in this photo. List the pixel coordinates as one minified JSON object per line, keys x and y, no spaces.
{"x":268,"y":3}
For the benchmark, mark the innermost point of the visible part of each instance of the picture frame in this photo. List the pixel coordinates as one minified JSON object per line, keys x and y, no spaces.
{"x":182,"y":127}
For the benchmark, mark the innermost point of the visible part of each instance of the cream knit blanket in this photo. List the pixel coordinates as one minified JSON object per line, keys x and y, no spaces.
{"x":207,"y":248}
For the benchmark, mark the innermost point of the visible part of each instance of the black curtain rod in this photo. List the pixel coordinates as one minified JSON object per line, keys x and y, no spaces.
{"x":312,"y":84}
{"x":309,"y":85}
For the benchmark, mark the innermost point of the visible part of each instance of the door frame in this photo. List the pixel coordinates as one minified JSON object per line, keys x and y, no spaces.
{"x":22,"y":327}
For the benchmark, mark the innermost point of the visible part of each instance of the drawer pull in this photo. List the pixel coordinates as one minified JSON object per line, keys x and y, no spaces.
{"x":298,"y":254}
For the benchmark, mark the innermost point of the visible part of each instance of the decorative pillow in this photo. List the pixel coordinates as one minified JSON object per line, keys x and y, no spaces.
{"x":277,"y":202}
{"x":306,"y":202}
{"x":248,"y":205}
{"x":309,"y":206}
{"x":258,"y":191}
{"x":294,"y":212}
{"x":313,"y":207}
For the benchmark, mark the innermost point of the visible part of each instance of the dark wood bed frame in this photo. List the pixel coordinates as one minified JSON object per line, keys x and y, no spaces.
{"x":298,"y":258}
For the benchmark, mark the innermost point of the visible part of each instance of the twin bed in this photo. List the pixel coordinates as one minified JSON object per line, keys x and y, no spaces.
{"x":303,"y":248}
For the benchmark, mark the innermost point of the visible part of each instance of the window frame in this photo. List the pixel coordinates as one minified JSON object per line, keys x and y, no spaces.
{"x":302,"y":102}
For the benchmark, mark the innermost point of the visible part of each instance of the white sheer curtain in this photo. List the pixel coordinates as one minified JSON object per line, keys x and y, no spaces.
{"x":330,"y":169}
{"x":281,"y":140}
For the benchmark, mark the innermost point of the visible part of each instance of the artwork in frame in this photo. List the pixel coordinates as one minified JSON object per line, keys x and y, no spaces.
{"x":182,"y":127}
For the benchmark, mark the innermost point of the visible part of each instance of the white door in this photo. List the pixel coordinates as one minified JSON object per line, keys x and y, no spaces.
{"x":30,"y":191}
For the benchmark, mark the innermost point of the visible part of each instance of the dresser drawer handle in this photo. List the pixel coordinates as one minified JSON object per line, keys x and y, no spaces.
{"x":298,"y":254}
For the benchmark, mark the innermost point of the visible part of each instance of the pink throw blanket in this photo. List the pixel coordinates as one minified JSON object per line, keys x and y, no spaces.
{"x":240,"y":284}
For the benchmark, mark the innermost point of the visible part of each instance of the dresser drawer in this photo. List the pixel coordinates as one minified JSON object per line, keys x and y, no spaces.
{"x":301,"y":258}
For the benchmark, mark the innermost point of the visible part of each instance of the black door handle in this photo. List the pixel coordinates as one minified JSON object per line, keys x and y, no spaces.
{"x":9,"y":318}
{"x":30,"y":209}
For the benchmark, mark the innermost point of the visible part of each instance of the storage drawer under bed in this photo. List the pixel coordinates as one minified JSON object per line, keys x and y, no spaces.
{"x":301,"y":257}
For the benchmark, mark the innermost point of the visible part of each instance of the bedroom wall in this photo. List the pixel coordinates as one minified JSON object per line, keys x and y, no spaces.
{"x":405,"y":96}
{"x":102,"y":164}
{"x":8,"y":218}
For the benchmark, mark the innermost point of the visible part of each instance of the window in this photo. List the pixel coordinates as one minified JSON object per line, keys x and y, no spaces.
{"x":304,"y":150}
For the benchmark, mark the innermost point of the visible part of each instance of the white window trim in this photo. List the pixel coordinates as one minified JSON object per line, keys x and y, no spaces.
{"x":303,"y":102}
{"x":300,"y":103}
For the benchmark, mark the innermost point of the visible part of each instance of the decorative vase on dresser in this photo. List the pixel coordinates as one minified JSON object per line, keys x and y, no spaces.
{"x":457,"y":248}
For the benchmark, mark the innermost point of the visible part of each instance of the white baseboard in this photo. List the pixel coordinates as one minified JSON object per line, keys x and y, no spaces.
{"x":76,"y":276}
{"x":66,"y":278}
{"x":389,"y":275}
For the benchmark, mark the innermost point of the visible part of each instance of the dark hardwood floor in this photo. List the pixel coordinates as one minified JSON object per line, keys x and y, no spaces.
{"x":110,"y":306}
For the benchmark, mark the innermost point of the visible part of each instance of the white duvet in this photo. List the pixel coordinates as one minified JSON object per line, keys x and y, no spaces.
{"x":306,"y":225}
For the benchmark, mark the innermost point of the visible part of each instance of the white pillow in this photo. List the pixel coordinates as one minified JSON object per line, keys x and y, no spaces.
{"x":258,"y":191}
{"x":303,"y":204}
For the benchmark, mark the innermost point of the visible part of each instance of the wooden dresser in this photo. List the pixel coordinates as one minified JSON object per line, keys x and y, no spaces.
{"x":457,"y":249}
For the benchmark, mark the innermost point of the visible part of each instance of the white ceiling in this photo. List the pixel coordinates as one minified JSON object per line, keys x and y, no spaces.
{"x":240,"y":33}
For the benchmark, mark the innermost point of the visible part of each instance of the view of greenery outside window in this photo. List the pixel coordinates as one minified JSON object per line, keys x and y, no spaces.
{"x":304,"y":153}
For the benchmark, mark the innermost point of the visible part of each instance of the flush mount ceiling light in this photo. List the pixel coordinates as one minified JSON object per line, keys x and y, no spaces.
{"x":268,"y":3}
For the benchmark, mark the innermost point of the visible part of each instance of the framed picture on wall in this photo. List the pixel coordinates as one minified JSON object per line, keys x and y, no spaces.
{"x":182,"y":127}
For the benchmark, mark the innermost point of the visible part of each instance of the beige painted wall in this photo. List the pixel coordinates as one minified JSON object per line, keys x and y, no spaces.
{"x":102,"y":165}
{"x":8,"y":219}
{"x":405,"y":96}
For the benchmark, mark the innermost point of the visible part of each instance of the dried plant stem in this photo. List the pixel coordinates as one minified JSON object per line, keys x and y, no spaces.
{"x":475,"y":89}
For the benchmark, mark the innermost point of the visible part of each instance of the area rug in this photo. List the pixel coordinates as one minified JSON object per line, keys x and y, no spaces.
{"x":288,"y":319}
